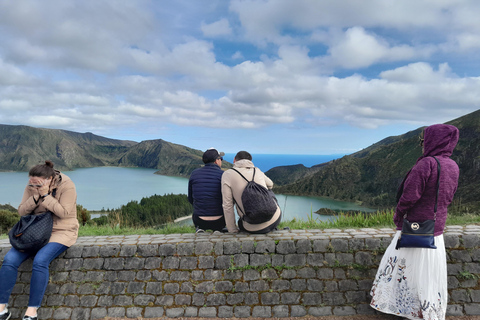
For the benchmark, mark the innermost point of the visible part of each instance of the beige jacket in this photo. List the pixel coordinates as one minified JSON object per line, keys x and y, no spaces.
{"x":232,"y":188}
{"x":63,"y":205}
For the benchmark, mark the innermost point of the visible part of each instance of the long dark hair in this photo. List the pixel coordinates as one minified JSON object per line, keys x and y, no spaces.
{"x":42,"y":170}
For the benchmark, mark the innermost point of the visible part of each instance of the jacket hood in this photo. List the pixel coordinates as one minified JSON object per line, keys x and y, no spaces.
{"x":244,"y":163}
{"x":440,"y":140}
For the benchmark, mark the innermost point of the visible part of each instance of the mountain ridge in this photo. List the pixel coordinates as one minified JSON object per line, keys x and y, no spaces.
{"x":22,"y":147}
{"x":371,"y":176}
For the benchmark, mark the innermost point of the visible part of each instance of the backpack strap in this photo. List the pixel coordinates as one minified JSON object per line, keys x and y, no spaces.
{"x":253,"y":178}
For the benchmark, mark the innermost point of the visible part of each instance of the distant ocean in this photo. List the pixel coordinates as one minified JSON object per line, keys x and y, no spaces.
{"x":267,"y":161}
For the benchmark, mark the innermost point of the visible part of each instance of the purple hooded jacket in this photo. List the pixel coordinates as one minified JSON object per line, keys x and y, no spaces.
{"x":420,"y":185}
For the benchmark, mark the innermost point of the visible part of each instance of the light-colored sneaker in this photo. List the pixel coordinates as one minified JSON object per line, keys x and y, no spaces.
{"x":5,"y":316}
{"x":200,"y":230}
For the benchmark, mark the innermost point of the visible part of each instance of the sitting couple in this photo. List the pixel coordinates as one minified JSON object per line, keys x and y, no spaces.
{"x":214,"y":192}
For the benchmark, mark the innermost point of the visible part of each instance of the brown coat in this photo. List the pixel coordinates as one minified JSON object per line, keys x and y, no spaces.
{"x":63,"y":205}
{"x":232,"y":188}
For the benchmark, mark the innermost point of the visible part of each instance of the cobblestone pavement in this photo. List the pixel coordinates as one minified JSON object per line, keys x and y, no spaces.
{"x":312,"y":234}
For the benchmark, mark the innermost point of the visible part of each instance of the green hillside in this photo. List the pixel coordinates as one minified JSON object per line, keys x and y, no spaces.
{"x":371,"y":176}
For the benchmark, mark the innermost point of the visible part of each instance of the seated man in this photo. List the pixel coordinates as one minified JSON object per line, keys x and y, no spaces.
{"x":234,"y":182}
{"x":204,"y":192}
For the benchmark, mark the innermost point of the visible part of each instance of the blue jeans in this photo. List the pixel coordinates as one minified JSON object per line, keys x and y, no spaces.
{"x":40,"y":274}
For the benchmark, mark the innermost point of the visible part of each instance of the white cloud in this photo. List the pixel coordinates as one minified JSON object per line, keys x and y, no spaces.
{"x":217,"y":28}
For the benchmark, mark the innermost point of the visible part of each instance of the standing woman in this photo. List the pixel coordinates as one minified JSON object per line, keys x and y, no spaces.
{"x":47,"y":190}
{"x":412,"y":282}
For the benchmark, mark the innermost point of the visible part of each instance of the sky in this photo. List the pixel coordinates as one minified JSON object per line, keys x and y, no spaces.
{"x":266,"y":76}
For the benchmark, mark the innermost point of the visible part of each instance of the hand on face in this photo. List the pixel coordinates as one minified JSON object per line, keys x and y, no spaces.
{"x":42,"y":185}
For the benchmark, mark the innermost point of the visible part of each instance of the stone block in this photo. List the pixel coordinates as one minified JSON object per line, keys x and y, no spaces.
{"x":216,"y":299}
{"x":298,"y":311}
{"x":207,"y":312}
{"x":123,"y":300}
{"x":315,"y":259}
{"x":242,"y":286}
{"x":109,"y":251}
{"x":86,"y":301}
{"x":206,"y":262}
{"x":203,"y":248}
{"x":152,"y":262}
{"x":460,"y":255}
{"x":126,"y":275}
{"x":190,"y":312}
{"x":281,"y":285}
{"x":153,"y":312}
{"x":321,"y":245}
{"x":472,"y":309}
{"x":259,"y":260}
{"x":75,"y":252}
{"x":451,"y":241}
{"x":171,"y":288}
{"x":311,"y":299}
{"x":232,"y":247}
{"x":306,"y":273}
{"x":295,"y":260}
{"x":315,"y":285}
{"x":225,"y":312}
{"x":339,"y":245}
{"x":133,"y":312}
{"x":180,"y":276}
{"x":223,"y":262}
{"x":171,"y":262}
{"x":134,"y":263}
{"x":223,"y":286}
{"x":185,"y":249}
{"x":250,"y":275}
{"x":262,"y":312}
{"x":251,"y":298}
{"x":298,"y":284}
{"x":165,"y":250}
{"x":286,"y":247}
{"x":98,"y":313}
{"x":269,"y":298}
{"x":344,"y":311}
{"x":128,"y":251}
{"x":183,"y":300}
{"x":211,"y":274}
{"x":320,"y":311}
{"x":280,"y":311}
{"x":164,"y":300}
{"x":79,"y":314}
{"x":62,"y":313}
{"x":248,"y":246}
{"x":88,"y":252}
{"x":454,"y":310}
{"x":114,"y":263}
{"x":242,"y":311}
{"x":241,"y":260}
{"x":265,"y":246}
{"x":235,"y":298}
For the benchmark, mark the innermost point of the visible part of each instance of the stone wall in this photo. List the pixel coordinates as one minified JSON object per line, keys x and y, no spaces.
{"x":281,"y":274}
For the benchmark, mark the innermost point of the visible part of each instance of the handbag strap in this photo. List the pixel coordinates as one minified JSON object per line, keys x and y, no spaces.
{"x":243,"y":213}
{"x":439,"y":169}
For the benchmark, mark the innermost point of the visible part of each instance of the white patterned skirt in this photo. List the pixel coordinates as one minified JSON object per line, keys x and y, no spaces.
{"x":412,"y":282}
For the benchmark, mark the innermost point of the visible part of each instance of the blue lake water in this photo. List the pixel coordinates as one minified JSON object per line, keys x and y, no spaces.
{"x":111,"y":187}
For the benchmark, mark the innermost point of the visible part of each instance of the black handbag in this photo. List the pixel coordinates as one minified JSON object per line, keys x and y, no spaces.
{"x":32,"y":232}
{"x":420,"y":234}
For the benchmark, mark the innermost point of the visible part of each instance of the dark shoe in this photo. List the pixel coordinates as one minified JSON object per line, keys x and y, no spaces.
{"x":29,"y":318}
{"x":5,"y":316}
{"x":224,"y":230}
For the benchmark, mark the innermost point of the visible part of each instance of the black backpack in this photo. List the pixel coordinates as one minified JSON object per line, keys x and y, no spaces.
{"x":258,"y":202}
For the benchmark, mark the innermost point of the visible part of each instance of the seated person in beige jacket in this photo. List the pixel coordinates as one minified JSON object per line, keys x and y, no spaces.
{"x":233,"y":185}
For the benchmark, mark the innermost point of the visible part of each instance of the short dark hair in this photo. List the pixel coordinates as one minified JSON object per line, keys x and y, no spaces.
{"x":42,"y":170}
{"x":243,"y":155}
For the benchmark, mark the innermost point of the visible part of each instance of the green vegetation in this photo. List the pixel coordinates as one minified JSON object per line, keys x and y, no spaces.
{"x":155,"y":215}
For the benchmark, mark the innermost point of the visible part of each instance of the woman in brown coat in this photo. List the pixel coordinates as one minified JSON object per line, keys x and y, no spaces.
{"x":47,"y":190}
